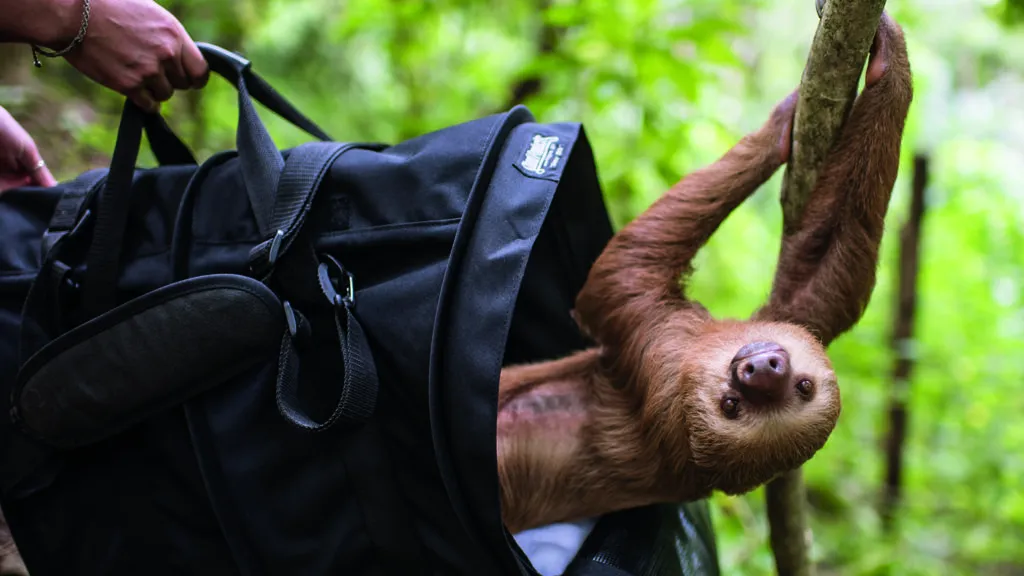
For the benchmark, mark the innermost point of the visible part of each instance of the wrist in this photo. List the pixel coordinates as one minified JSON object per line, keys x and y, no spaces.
{"x":58,"y":24}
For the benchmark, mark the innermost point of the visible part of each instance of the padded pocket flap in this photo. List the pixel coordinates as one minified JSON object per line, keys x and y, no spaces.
{"x":145,"y":356}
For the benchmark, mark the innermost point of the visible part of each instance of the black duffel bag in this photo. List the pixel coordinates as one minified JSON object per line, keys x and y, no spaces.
{"x":286,"y":362}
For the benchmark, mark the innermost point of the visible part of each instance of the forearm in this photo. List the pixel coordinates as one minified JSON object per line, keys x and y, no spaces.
{"x":49,"y":23}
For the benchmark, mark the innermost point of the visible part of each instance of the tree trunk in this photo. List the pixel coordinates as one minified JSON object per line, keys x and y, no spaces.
{"x":786,"y":497}
{"x":827,"y":91}
{"x":902,"y":342}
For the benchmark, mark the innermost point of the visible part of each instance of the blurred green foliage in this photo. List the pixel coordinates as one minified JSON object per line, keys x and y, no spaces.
{"x":664,"y":87}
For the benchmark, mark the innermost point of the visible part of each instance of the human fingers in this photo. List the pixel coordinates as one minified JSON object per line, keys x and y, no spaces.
{"x":32,"y":163}
{"x":159,"y":87}
{"x":143,"y":99}
{"x":11,"y":181}
{"x":194,"y":64}
{"x":176,"y":75}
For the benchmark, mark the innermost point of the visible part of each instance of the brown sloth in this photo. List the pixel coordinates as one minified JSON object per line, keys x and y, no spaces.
{"x":671,"y":403}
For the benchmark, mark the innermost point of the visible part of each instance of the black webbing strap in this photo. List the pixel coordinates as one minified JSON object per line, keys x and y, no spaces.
{"x":259,"y":158}
{"x":102,"y":261}
{"x":221,"y":60}
{"x":358,"y":395}
{"x":319,"y":286}
{"x":69,"y":207}
{"x":167,"y":148}
{"x":265,"y":94}
{"x":301,"y":178}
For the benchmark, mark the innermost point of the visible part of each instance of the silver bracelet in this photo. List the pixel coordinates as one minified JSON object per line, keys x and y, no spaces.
{"x":36,"y":50}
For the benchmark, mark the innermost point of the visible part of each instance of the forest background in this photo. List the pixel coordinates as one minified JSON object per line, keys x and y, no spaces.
{"x":664,"y":87}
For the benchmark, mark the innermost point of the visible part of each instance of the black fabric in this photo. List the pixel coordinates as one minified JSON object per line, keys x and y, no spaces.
{"x":384,"y":516}
{"x":483,"y":278}
{"x":406,"y":275}
{"x":651,"y":541}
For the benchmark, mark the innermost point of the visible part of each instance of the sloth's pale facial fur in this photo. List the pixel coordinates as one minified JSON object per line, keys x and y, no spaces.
{"x":744,"y":434}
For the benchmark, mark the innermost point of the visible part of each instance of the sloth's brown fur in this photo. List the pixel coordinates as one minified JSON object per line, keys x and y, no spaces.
{"x":638,"y":419}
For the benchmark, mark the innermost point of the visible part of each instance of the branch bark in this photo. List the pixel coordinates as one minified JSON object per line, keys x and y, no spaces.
{"x":827,"y":91}
{"x":786,"y":498}
{"x":902,"y":341}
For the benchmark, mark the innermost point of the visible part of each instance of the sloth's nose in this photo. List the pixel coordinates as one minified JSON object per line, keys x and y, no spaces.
{"x":760,"y":371}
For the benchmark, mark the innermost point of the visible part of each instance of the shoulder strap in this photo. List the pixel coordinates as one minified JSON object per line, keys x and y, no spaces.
{"x":167,"y":148}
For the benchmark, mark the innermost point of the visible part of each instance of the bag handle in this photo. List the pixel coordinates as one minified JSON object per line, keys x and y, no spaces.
{"x":233,"y":66}
{"x":260,"y":160}
{"x":169,"y":149}
{"x":166,"y":146}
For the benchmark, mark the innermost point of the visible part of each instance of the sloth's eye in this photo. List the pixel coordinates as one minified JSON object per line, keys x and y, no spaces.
{"x":805,"y":387}
{"x":731,"y":407}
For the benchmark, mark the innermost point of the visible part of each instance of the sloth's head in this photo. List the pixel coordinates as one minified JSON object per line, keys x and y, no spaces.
{"x":760,"y":398}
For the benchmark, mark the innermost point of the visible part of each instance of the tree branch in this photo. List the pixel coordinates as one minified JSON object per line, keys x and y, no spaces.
{"x":902,"y":343}
{"x":827,"y":91}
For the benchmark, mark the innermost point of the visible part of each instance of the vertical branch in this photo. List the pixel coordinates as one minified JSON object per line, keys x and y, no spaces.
{"x":786,"y":499}
{"x":827,"y":91}
{"x":902,"y":342}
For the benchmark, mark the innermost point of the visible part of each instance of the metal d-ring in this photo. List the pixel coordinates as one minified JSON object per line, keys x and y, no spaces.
{"x":329,"y":282}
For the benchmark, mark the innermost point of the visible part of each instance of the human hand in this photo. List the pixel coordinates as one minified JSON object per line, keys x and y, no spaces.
{"x":20,"y":163}
{"x":139,"y":49}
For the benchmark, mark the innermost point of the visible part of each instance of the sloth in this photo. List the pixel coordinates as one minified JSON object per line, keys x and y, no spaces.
{"x":671,"y":404}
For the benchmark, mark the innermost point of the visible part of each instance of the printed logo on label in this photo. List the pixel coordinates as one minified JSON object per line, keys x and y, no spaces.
{"x":543,"y":155}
